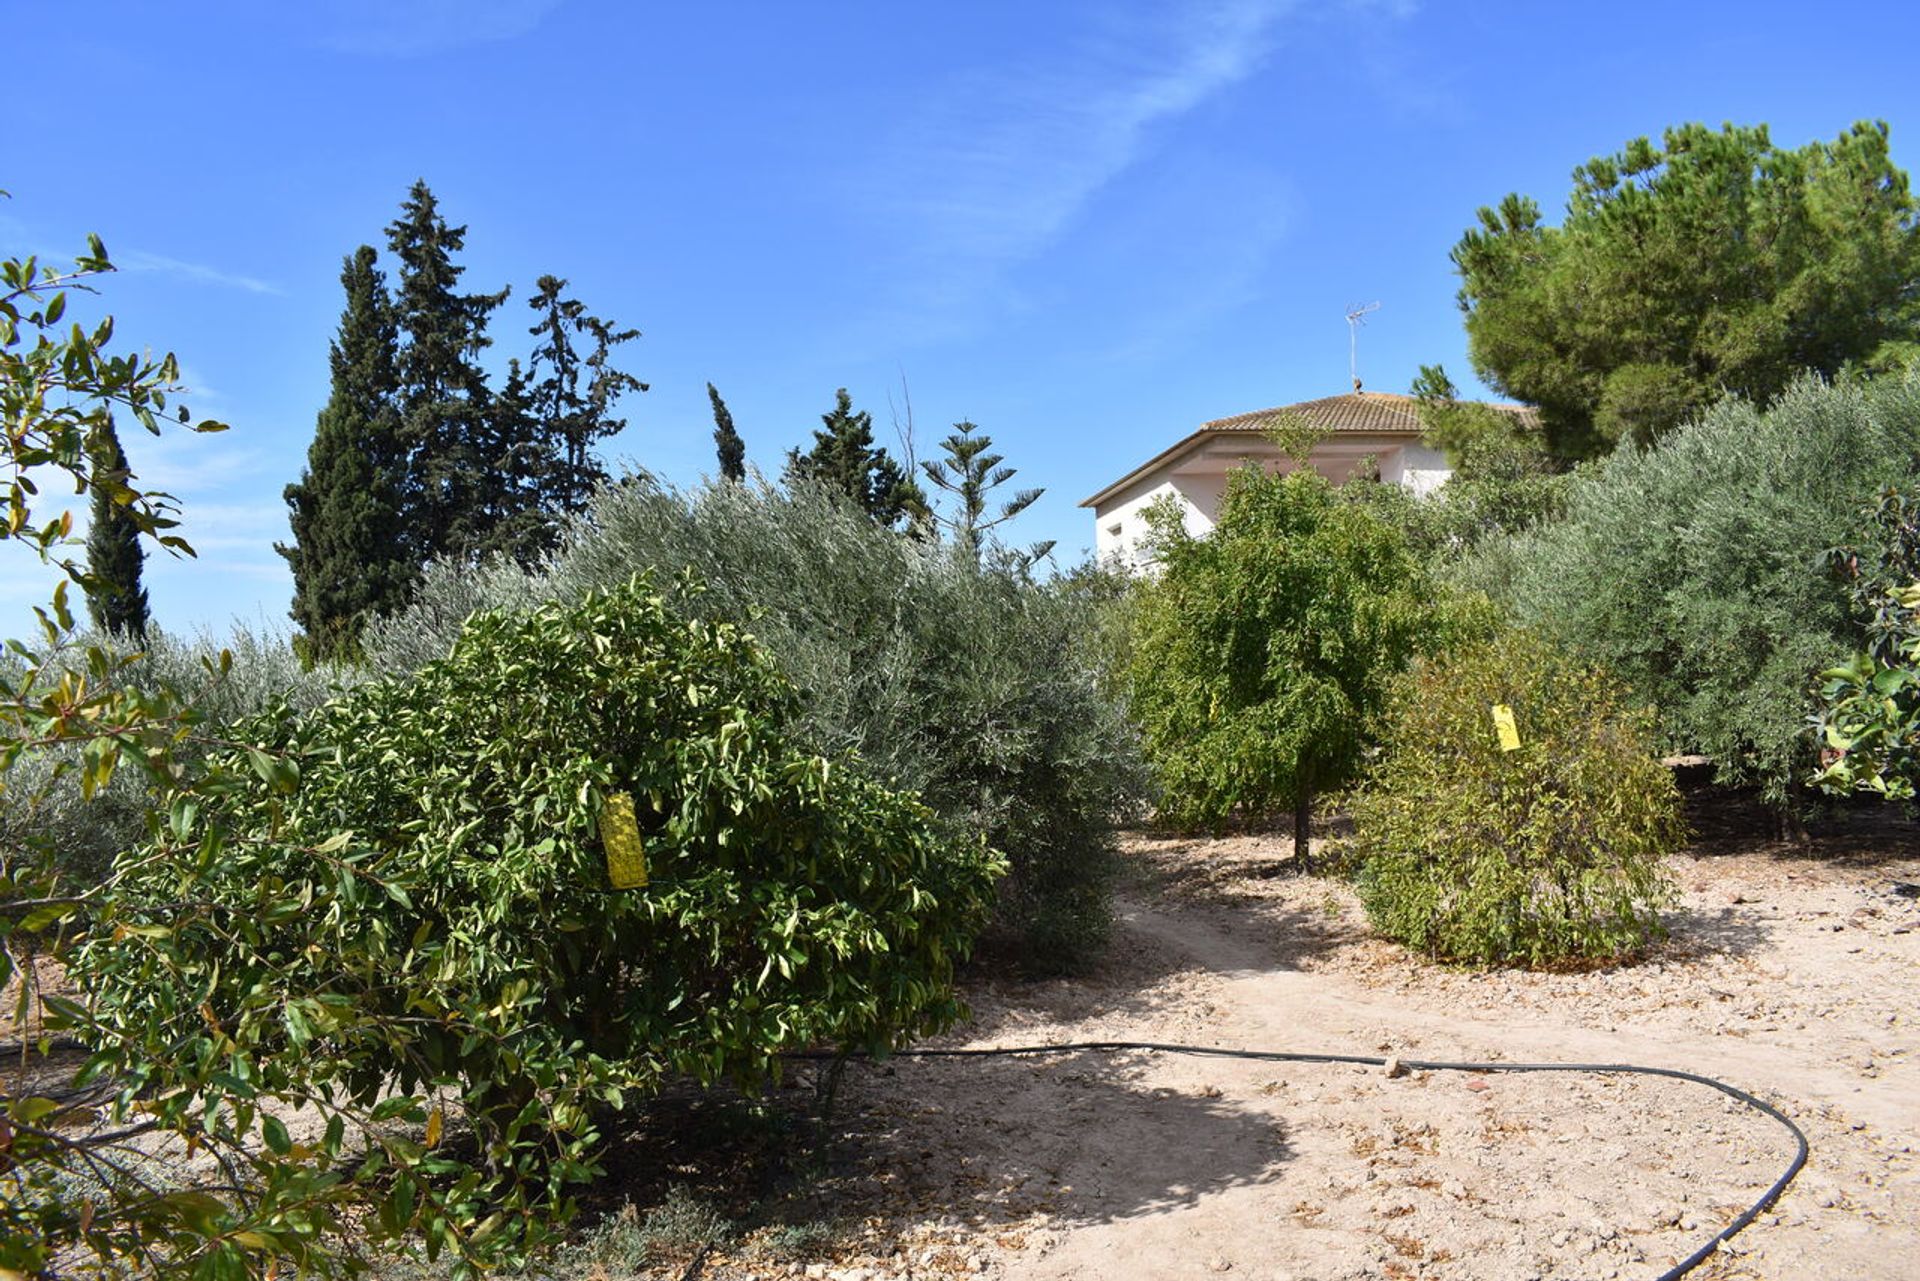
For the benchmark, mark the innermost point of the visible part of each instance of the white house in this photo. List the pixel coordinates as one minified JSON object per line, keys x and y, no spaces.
{"x":1363,"y":427}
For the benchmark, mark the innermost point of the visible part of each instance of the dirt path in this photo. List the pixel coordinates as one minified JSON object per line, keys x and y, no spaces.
{"x":1794,"y":979}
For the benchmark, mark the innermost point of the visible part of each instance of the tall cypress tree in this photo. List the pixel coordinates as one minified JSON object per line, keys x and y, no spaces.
{"x":726,"y":441}
{"x":442,"y":392}
{"x":115,"y":598}
{"x":350,"y":554}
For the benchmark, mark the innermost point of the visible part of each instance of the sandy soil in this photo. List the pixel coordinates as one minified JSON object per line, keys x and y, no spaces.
{"x":1791,"y":976}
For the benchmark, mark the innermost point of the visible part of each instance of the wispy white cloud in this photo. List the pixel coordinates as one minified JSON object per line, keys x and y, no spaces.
{"x":188,"y":464}
{"x":247,"y":526}
{"x":405,"y":28}
{"x":1001,"y":162}
{"x":192,"y":272}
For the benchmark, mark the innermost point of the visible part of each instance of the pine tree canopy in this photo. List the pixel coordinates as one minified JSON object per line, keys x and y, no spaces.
{"x":730,"y":448}
{"x":575,"y":388}
{"x":1714,"y":263}
{"x":350,"y":556}
{"x":115,"y":599}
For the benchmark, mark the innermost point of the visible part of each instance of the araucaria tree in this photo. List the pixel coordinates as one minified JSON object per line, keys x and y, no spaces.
{"x":844,"y":458}
{"x":1713,"y":263}
{"x":1263,"y":651}
{"x":731,"y":450}
{"x":970,"y":473}
{"x":115,"y":598}
{"x":350,"y":555}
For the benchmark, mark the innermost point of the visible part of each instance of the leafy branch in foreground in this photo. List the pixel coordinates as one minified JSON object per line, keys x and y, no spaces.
{"x":1869,"y":712}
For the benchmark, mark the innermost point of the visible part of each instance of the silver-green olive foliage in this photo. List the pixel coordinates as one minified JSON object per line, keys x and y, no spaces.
{"x":1713,"y":263}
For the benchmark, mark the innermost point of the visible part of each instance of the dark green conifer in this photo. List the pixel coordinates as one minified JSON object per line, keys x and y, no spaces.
{"x":845,"y":458}
{"x":115,"y":598}
{"x":970,"y":473}
{"x":351,"y":557}
{"x":442,"y":392}
{"x":574,"y":389}
{"x":726,"y":441}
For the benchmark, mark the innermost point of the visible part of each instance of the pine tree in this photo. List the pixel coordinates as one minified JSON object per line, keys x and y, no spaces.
{"x":844,"y":458}
{"x":442,"y":392}
{"x":574,"y":394}
{"x":115,"y":598}
{"x":970,"y":473}
{"x":726,"y":441}
{"x":509,"y":490}
{"x":351,"y":557}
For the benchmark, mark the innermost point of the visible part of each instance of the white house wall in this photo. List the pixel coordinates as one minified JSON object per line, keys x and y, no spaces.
{"x":1419,"y":467}
{"x":1197,"y":480}
{"x":1120,"y":525}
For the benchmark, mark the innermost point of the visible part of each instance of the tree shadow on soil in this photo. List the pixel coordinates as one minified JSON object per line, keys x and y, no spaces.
{"x":981,"y":1142}
{"x":1846,"y":833}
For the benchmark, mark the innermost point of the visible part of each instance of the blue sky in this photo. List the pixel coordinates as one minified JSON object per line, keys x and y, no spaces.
{"x":1086,"y":226}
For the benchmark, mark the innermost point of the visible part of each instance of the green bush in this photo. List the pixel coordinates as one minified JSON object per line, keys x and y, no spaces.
{"x":453,"y":923}
{"x":1550,"y":852}
{"x":969,"y":684}
{"x":1690,"y":569}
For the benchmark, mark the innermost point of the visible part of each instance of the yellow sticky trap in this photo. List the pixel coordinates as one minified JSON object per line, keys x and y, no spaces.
{"x":620,"y":835}
{"x":1504,"y":726}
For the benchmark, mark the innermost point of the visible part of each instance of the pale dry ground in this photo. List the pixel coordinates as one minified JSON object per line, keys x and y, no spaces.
{"x":1790,"y":976}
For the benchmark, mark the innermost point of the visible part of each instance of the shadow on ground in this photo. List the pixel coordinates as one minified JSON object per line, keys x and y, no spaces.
{"x":912,"y":1142}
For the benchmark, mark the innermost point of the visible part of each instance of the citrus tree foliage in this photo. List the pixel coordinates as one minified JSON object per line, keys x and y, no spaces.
{"x":1713,"y":262}
{"x":1691,"y":570}
{"x":969,"y":684}
{"x":78,"y":1175}
{"x":401,"y":905}
{"x":1869,"y":713}
{"x":1546,"y":853}
{"x":1262,"y":652}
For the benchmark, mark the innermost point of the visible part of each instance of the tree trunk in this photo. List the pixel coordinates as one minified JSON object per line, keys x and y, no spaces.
{"x":1302,"y":827}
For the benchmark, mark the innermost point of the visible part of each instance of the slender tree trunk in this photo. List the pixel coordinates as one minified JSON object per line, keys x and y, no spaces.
{"x":1302,"y":827}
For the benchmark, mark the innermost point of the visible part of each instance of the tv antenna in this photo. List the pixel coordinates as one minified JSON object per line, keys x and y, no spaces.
{"x":1356,"y":317}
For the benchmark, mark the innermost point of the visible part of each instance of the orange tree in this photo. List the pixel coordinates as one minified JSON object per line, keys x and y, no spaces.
{"x":1262,"y":652}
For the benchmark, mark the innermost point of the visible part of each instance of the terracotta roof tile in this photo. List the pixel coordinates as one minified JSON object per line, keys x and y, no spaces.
{"x":1359,"y":411}
{"x":1369,"y":411}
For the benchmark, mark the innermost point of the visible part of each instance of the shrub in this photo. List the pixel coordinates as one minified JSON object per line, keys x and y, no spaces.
{"x":1869,"y":712}
{"x":969,"y":684}
{"x":453,"y":925}
{"x":1689,"y":569}
{"x":1262,"y":652}
{"x":1550,"y":852}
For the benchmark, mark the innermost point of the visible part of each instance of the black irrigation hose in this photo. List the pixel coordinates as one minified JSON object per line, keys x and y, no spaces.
{"x":1679,"y":1270}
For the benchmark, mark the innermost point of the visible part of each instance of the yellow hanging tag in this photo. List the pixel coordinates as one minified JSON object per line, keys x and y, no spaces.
{"x":1504,"y":726}
{"x":620,"y":835}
